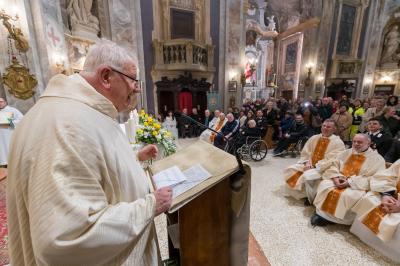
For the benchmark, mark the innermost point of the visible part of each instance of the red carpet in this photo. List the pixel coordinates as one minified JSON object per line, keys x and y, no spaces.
{"x":3,"y":224}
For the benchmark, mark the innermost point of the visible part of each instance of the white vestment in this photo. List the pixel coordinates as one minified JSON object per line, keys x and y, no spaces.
{"x":76,"y":195}
{"x":6,"y":132}
{"x":336,"y":204}
{"x":374,"y":226}
{"x":206,"y":134}
{"x":300,"y":184}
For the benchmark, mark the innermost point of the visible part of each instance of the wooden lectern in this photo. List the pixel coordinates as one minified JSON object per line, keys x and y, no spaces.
{"x":212,"y":217}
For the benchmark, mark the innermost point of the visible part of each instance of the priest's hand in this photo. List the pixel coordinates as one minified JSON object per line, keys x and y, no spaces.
{"x":163,"y":199}
{"x":307,"y":166}
{"x":148,"y":152}
{"x":390,"y":204}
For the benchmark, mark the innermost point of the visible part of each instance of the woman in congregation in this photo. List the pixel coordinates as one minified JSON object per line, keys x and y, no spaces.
{"x":170,"y":124}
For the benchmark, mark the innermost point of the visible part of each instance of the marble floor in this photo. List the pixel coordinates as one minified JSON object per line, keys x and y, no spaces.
{"x":282,"y":228}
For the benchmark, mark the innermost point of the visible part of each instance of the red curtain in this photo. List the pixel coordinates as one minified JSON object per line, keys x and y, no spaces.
{"x":185,"y":101}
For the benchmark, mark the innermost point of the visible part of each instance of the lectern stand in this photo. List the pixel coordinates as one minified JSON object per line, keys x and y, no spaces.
{"x":212,"y":217}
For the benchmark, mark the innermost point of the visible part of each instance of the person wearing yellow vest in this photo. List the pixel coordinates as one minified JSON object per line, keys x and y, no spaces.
{"x":318,"y":153}
{"x":345,"y":182}
{"x":357,"y":112}
{"x":378,"y":213}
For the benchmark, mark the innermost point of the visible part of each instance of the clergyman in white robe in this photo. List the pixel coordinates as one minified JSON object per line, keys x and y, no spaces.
{"x":320,"y":151}
{"x":374,"y":225}
{"x":76,"y":194}
{"x":356,"y":168}
{"x":6,"y":131}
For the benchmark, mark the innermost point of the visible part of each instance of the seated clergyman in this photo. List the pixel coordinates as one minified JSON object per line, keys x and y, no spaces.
{"x":208,"y":135}
{"x":345,"y":182}
{"x":318,"y":153}
{"x":378,"y":213}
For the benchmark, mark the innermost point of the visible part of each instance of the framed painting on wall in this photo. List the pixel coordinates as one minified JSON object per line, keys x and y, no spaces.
{"x":232,"y":86}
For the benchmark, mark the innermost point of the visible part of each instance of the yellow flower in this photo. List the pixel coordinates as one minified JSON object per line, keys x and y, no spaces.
{"x":150,"y":119}
{"x":145,"y":124}
{"x":142,"y":112}
{"x":155,"y":133}
{"x":140,"y":131}
{"x":157,"y":126}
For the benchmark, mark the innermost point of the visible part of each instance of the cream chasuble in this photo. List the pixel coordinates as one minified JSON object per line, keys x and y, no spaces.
{"x":321,"y":152}
{"x":335,"y":204}
{"x":75,"y":193}
{"x":373,"y":225}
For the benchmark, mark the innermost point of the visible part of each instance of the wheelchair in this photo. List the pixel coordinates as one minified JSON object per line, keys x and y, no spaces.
{"x":254,"y":148}
{"x":295,"y":149}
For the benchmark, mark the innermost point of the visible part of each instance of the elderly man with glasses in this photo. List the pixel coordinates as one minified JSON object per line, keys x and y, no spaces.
{"x":77,"y":194}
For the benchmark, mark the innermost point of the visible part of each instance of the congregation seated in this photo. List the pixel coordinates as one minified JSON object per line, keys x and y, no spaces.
{"x":194,"y":127}
{"x":286,"y":123}
{"x":345,"y":182}
{"x":215,"y":118}
{"x":320,"y":150}
{"x":380,"y":139}
{"x":208,"y":117}
{"x":208,"y":135}
{"x":227,"y":131}
{"x":378,"y":213}
{"x":344,"y":120}
{"x":295,"y":133}
{"x":251,"y":130}
{"x":184,"y":125}
{"x":390,"y":121}
{"x":261,"y":122}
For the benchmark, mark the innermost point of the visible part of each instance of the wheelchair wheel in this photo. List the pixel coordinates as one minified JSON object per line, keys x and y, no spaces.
{"x":258,"y":150}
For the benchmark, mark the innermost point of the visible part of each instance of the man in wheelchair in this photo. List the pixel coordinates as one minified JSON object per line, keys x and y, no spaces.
{"x":296,"y":132}
{"x":251,"y":130}
{"x":228,"y":131}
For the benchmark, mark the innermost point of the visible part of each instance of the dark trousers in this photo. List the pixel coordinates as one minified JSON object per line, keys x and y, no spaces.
{"x":284,"y":143}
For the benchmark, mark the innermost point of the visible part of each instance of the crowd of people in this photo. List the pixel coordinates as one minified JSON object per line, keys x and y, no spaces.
{"x":290,"y":121}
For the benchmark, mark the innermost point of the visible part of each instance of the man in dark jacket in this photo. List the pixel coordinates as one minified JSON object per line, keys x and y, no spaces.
{"x":380,"y":140}
{"x":227,"y":131}
{"x":394,"y":152}
{"x":295,"y":133}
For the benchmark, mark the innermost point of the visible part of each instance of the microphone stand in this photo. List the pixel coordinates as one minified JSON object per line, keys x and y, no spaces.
{"x":241,"y":171}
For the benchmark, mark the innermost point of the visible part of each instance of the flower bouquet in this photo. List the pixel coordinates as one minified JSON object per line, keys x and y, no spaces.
{"x":151,"y":132}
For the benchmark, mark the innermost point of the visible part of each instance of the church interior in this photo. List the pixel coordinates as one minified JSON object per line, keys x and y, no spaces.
{"x":234,"y":56}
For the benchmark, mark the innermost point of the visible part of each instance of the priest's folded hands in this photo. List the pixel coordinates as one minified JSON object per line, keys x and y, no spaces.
{"x":390,"y":204}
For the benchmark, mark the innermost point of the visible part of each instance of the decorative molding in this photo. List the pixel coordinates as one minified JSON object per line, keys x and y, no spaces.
{"x":308,"y":24}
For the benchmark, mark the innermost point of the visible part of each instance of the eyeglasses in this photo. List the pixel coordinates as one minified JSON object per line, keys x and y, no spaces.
{"x":126,"y":75}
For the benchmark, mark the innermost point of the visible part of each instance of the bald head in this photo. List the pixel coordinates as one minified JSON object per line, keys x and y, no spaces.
{"x":361,"y":142}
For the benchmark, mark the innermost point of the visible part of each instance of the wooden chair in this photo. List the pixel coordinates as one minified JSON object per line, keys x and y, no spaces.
{"x":268,"y":137}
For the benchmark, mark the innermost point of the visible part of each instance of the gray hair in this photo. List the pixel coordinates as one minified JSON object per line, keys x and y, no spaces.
{"x":107,"y":52}
{"x":366,"y":136}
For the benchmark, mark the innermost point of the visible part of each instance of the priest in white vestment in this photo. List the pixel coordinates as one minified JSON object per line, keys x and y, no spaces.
{"x":378,"y":213}
{"x":76,"y":194}
{"x":208,"y":135}
{"x":9,"y":118}
{"x":317,"y":155}
{"x":345,"y":182}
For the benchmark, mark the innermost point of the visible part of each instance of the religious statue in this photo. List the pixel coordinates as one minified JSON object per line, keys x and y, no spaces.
{"x":80,"y":15}
{"x":15,"y":33}
{"x":19,"y":81}
{"x":391,"y":45}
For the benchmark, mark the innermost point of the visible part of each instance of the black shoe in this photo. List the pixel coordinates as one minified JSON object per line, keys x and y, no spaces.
{"x":307,"y":202}
{"x":317,"y":220}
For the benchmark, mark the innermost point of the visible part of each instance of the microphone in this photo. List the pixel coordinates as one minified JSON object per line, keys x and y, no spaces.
{"x":241,"y":170}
